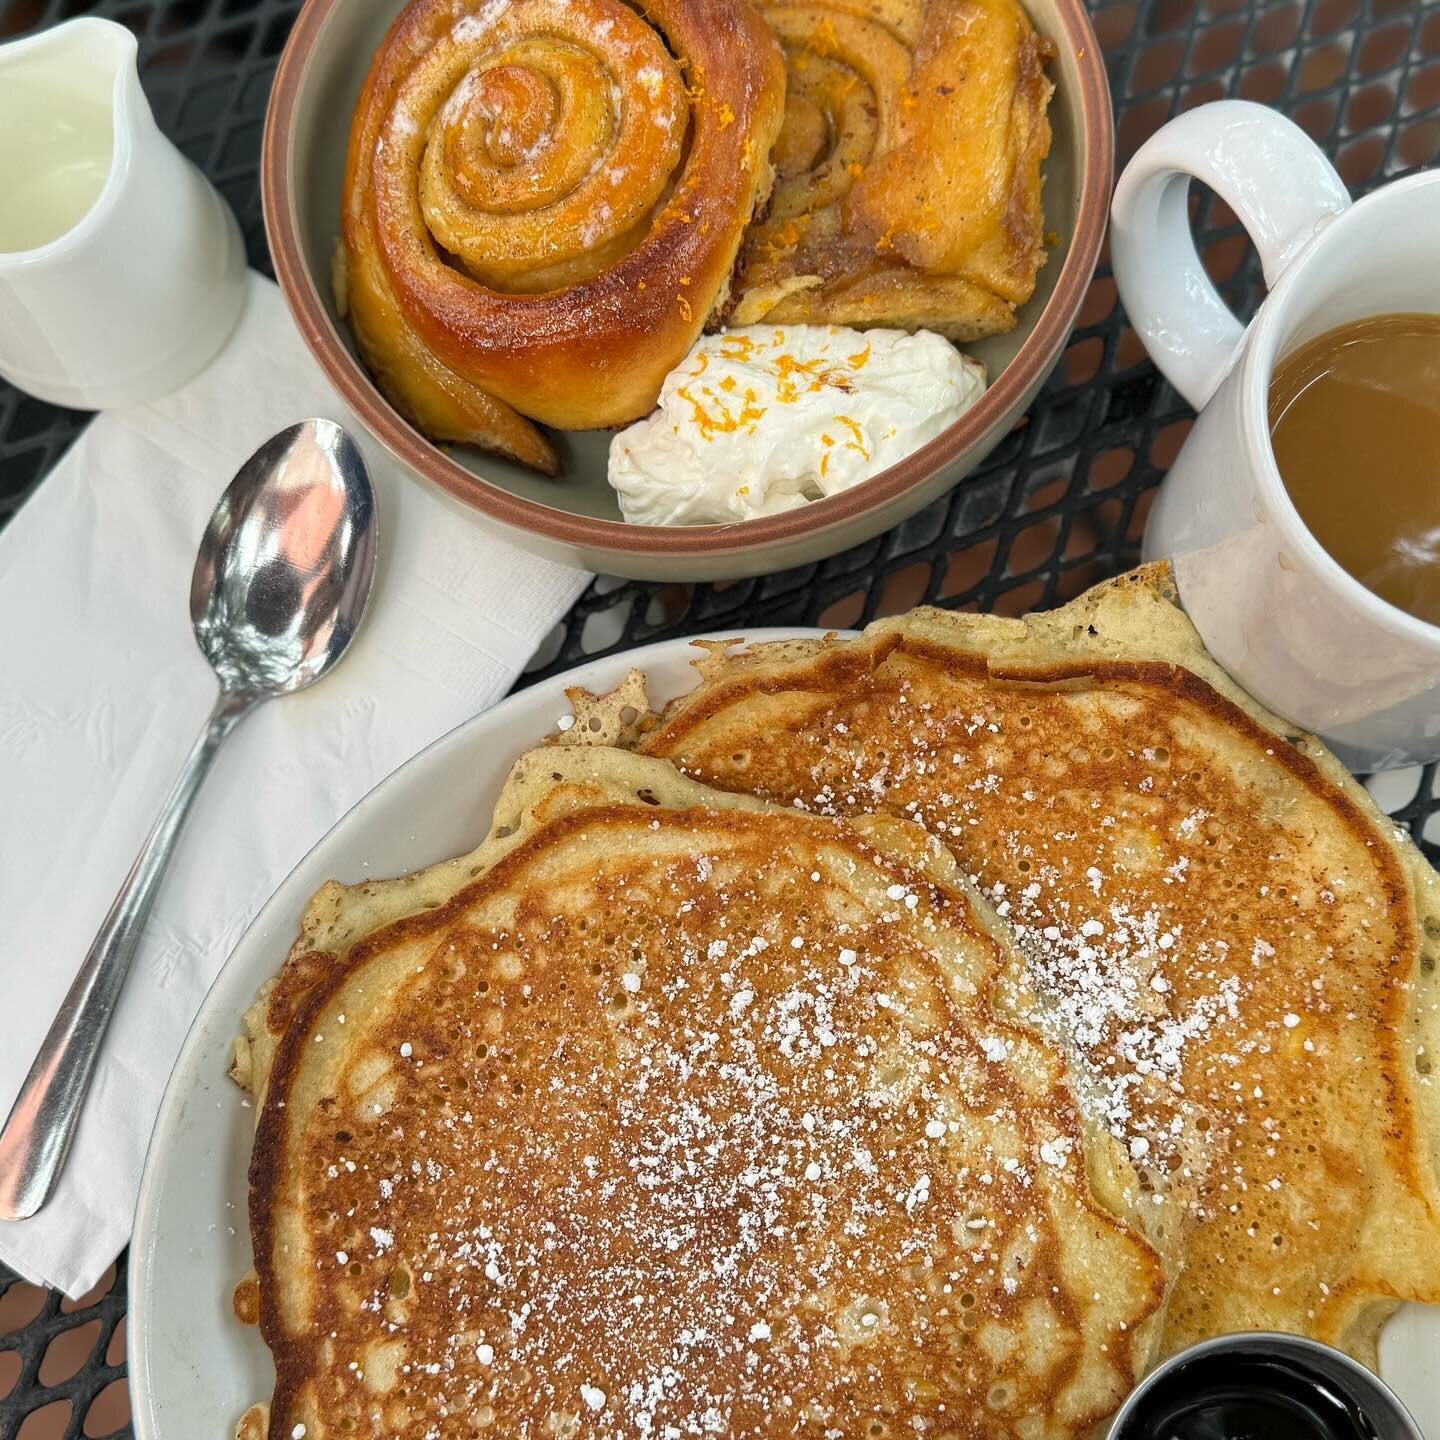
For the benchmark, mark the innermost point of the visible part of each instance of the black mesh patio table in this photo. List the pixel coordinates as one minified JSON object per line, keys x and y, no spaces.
{"x":1059,"y":505}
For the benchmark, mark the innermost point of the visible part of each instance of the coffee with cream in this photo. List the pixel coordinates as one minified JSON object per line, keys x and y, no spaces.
{"x":1355,"y":426}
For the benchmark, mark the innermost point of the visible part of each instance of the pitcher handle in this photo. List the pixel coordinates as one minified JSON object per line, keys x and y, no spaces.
{"x":1275,"y":179}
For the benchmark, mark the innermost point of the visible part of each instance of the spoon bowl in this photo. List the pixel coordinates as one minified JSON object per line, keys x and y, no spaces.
{"x":286,"y":562}
{"x":279,"y":588}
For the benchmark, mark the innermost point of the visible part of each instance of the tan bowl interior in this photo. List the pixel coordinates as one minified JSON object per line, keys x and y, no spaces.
{"x":316,"y":91}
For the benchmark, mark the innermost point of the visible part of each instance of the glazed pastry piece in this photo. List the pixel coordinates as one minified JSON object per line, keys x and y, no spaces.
{"x":543,"y":204}
{"x":908,"y":169}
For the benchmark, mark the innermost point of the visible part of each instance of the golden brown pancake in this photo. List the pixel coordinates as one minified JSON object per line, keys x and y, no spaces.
{"x":680,"y":1114}
{"x":1240,"y":948}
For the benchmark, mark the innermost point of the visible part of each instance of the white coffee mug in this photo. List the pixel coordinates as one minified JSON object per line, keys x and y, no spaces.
{"x":138,"y":294}
{"x":1293,"y":627}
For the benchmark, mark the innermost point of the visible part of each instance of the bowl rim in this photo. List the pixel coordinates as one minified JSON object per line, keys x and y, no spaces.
{"x":1029,"y":366}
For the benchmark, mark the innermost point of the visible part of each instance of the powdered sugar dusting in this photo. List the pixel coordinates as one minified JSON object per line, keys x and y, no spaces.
{"x":699,"y":1137}
{"x":1187,"y":938}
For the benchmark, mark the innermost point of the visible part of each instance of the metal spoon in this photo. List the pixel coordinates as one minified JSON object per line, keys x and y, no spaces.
{"x":280,"y":584}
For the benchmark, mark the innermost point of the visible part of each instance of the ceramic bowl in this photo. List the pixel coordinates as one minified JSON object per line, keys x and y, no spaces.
{"x":575,"y":518}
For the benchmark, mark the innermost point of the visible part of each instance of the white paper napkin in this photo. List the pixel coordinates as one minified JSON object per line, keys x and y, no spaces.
{"x":102,"y":691}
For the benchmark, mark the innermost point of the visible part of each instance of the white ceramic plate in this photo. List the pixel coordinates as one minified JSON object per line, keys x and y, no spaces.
{"x":193,"y":1368}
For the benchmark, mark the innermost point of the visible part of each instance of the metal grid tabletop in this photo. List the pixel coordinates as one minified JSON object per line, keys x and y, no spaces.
{"x":1060,"y":504}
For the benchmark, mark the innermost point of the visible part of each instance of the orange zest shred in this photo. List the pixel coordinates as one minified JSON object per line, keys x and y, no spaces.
{"x":858,"y":443}
{"x":823,"y":40}
{"x":720,"y":420}
{"x":788,"y":382}
{"x":736,"y":347}
{"x":685,"y":309}
{"x":794,"y":378}
{"x":860,"y":358}
{"x":727,"y":116}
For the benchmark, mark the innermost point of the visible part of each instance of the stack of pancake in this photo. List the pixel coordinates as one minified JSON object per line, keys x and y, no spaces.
{"x":911,"y":1035}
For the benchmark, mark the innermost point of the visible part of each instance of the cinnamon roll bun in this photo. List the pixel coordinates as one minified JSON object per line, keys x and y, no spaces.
{"x":544,"y":200}
{"x":908,"y":169}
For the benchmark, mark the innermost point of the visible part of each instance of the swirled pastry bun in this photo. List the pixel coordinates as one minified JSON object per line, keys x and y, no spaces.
{"x":543,"y":204}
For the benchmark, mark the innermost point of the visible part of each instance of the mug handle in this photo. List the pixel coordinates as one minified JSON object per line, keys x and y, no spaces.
{"x":1270,"y":173}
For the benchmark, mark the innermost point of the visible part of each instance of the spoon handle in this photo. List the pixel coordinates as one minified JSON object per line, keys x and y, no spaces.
{"x":42,"y":1121}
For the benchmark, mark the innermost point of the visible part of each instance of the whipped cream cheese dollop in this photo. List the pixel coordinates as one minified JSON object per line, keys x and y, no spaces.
{"x":759,"y":420}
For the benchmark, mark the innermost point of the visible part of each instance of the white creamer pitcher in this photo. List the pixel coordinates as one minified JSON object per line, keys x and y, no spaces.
{"x":122,"y":272}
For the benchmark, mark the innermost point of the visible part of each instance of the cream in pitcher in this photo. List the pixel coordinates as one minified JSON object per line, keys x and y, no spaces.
{"x":121,"y":270}
{"x":56,"y":141}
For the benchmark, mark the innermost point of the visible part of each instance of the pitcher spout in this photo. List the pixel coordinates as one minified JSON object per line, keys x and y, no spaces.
{"x":89,"y":40}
